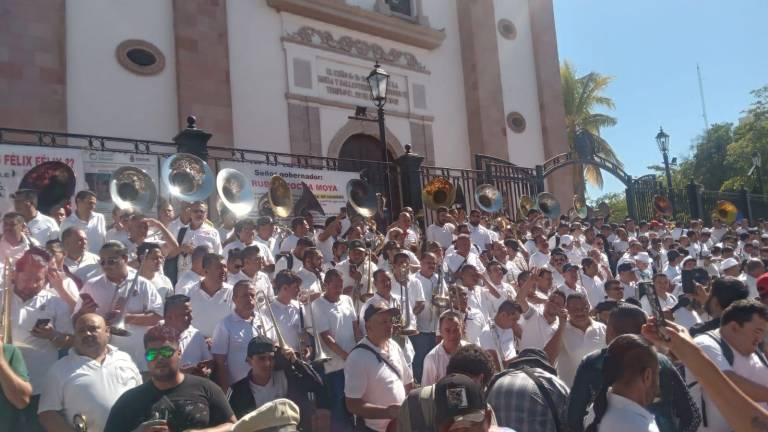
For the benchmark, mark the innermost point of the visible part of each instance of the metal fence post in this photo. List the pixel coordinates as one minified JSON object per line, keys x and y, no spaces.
{"x":694,"y":200}
{"x":745,"y":199}
{"x":630,"y":195}
{"x":193,"y":140}
{"x":539,"y":179}
{"x":409,"y":165}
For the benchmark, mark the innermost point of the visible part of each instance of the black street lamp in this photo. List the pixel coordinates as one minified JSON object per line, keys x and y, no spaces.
{"x":757,"y":162}
{"x":662,"y":140}
{"x":378,"y":80}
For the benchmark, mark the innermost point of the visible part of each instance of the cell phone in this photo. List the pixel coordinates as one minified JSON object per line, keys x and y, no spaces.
{"x":42,"y":322}
{"x":653,"y":300}
{"x":690,"y":278}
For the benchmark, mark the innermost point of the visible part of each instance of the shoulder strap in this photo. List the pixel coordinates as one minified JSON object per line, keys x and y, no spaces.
{"x":379,"y":358}
{"x":727,"y":351}
{"x":545,"y":394}
{"x":181,"y":234}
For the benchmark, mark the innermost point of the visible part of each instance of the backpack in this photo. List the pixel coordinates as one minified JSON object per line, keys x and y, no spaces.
{"x":728,"y":354}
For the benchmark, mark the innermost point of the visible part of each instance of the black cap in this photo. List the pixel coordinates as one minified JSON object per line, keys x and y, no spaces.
{"x":625,"y":267}
{"x":260,"y":345}
{"x":459,"y":398}
{"x":264,"y":220}
{"x":356,"y":244}
{"x":375,"y":308}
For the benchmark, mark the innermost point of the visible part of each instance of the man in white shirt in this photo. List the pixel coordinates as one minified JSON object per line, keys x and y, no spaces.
{"x":324,"y":240}
{"x":288,"y":311}
{"x":496,"y":291}
{"x":661,"y":288}
{"x":734,"y":350}
{"x":265,"y":236}
{"x":311,"y":272}
{"x":753,"y":269}
{"x":426,"y":321}
{"x":212,"y":296}
{"x":196,"y":272}
{"x":441,"y":231}
{"x":408,"y":289}
{"x":245,"y":230}
{"x":505,"y":331}
{"x":120,"y":291}
{"x":232,"y":334}
{"x":478,"y":234}
{"x":299,"y":228}
{"x":41,"y":227}
{"x":86,"y":218}
{"x":376,"y":374}
{"x":571,"y":283}
{"x":40,"y":321}
{"x":628,"y":279}
{"x":581,"y":336}
{"x":88,"y":381}
{"x":436,"y":361}
{"x":588,"y":278}
{"x":337,"y":325}
{"x":463,"y":254}
{"x":540,"y":325}
{"x":251,"y":270}
{"x":14,"y":242}
{"x":540,"y":258}
{"x":293,"y":260}
{"x":197,"y":233}
{"x":78,"y":259}
{"x":177,"y":314}
{"x":672,"y":270}
{"x":357,"y":271}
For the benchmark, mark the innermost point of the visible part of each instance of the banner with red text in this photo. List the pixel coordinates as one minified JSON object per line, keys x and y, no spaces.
{"x":329,"y":187}
{"x":15,"y":161}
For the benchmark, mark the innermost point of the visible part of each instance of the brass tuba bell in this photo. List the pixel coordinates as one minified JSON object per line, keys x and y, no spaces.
{"x":662,"y":205}
{"x":362,"y":198}
{"x":548,"y":205}
{"x":526,"y":204}
{"x":235,"y":191}
{"x":133,"y":189}
{"x":54,"y":183}
{"x":726,"y":211}
{"x":307,"y":202}
{"x":488,"y":198}
{"x":279,"y":196}
{"x":187,"y":177}
{"x":439,"y":192}
{"x":580,"y":206}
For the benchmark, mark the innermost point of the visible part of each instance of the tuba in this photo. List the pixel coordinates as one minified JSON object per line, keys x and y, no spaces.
{"x":279,"y":196}
{"x":439,"y":192}
{"x":132,"y":188}
{"x":548,"y":205}
{"x":235,"y":191}
{"x":726,"y":211}
{"x":526,"y":204}
{"x":662,"y":205}
{"x":307,"y":202}
{"x":54,"y":183}
{"x":488,"y":198}
{"x":362,"y":198}
{"x":187,"y":177}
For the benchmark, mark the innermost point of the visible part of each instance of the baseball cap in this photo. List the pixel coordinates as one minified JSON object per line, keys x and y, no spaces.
{"x":356,"y":244}
{"x":263,"y":221}
{"x":459,"y":399}
{"x":260,"y":345}
{"x":279,"y":415}
{"x":643,"y":257}
{"x":566,"y":240}
{"x":728,"y":263}
{"x":379,"y":307}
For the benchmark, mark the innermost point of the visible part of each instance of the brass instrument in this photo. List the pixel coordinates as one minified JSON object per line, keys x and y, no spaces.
{"x":488,"y":198}
{"x":662,"y":205}
{"x":120,"y":300}
{"x":54,"y":183}
{"x":263,"y":305}
{"x":526,"y":204}
{"x":404,"y":326}
{"x":279,"y":196}
{"x":580,"y":206}
{"x":133,"y":189}
{"x":439,"y":192}
{"x":441,"y":299}
{"x":548,"y":205}
{"x":726,"y":211}
{"x":5,"y":318}
{"x":320,"y":355}
{"x":235,"y":191}
{"x":187,"y":177}
{"x":80,"y":423}
{"x":307,"y":202}
{"x":362,"y":198}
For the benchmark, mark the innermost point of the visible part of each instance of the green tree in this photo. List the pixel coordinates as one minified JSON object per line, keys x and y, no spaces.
{"x":582,"y":96}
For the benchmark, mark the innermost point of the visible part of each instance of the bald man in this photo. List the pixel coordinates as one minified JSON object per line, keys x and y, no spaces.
{"x":88,"y":381}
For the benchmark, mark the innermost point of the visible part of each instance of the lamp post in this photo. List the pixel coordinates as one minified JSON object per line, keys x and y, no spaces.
{"x":757,"y":165}
{"x":662,"y":140}
{"x":378,"y":80}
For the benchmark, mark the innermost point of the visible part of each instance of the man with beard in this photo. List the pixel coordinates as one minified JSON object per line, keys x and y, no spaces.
{"x":170,"y":400}
{"x":88,"y":380}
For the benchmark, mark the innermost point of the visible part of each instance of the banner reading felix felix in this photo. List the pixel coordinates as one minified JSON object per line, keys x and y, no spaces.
{"x":329,"y":187}
{"x":15,"y":161}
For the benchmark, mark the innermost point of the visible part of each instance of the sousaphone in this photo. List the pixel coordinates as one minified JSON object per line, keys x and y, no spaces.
{"x":235,"y":191}
{"x":133,"y":189}
{"x":526,"y":204}
{"x":488,"y":198}
{"x":307,"y":202}
{"x":548,"y":205}
{"x":439,"y":192}
{"x":54,"y":183}
{"x":362,"y":198}
{"x":726,"y":211}
{"x":187,"y":177}
{"x":279,"y":197}
{"x":662,"y":205}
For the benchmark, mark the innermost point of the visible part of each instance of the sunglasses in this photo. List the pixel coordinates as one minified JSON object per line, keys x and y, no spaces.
{"x":165,"y":352}
{"x":109,"y":261}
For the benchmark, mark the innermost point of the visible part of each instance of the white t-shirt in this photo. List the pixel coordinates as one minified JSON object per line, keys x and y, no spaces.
{"x":575,"y":345}
{"x":208,"y":311}
{"x":80,"y":385}
{"x":14,"y":252}
{"x":436,"y":363}
{"x":338,"y":319}
{"x":203,"y":236}
{"x":536,"y":330}
{"x":626,"y":415}
{"x":95,"y":229}
{"x":538,"y":259}
{"x":163,"y":285}
{"x":414,"y":293}
{"x":193,"y":347}
{"x":506,"y":342}
{"x":593,"y":287}
{"x":289,"y":243}
{"x":276,"y":388}
{"x":426,"y":321}
{"x":325,"y":247}
{"x":363,"y":268}
{"x":260,"y":281}
{"x":479,"y":236}
{"x":88,"y":267}
{"x":366,"y":378}
{"x":43,"y":228}
{"x":565,"y":289}
{"x":231,"y":338}
{"x":666,"y":304}
{"x":186,"y":281}
{"x":289,"y":321}
{"x":443,"y":235}
{"x":749,"y":367}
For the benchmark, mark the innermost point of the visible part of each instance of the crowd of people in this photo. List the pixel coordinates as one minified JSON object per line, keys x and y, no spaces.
{"x":173,"y":323}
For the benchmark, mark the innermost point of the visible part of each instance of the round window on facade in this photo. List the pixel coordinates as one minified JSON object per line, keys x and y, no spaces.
{"x":516,"y":122}
{"x":507,"y":29}
{"x":140,"y":57}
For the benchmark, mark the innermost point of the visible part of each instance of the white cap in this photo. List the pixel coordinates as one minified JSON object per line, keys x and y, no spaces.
{"x":730,"y":262}
{"x":566,"y":240}
{"x":643,"y":257}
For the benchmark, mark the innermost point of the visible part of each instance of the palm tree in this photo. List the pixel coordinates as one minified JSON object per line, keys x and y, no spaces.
{"x":581,"y":95}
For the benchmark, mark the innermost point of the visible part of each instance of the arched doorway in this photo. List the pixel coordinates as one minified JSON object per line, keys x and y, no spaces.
{"x":361,"y":152}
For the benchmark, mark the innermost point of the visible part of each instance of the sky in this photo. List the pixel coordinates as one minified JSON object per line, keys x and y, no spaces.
{"x":651,"y":48}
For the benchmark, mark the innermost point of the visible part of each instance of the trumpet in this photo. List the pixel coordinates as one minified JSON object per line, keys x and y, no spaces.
{"x":404,"y":326}
{"x":440,"y":299}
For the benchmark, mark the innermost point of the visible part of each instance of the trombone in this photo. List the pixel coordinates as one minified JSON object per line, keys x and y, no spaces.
{"x":404,"y":326}
{"x":262,"y":303}
{"x":306,"y":295}
{"x":5,"y":313}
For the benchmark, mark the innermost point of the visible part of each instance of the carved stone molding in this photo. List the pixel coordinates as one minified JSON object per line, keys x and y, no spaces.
{"x":353,"y":17}
{"x":356,"y":47}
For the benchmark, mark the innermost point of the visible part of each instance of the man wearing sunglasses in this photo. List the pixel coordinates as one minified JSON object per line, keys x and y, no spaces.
{"x":170,"y":400}
{"x":142,"y":308}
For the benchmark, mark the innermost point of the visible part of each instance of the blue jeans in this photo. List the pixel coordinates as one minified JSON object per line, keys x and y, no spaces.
{"x":341,"y":419}
{"x":422,"y":345}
